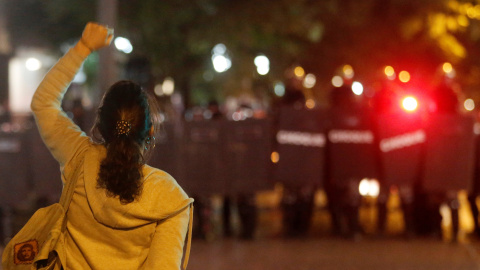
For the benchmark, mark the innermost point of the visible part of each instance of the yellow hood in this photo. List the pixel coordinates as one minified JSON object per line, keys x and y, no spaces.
{"x":161,"y":196}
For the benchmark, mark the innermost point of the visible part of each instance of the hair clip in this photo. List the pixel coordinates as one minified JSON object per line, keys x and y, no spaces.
{"x":123,"y":127}
{"x":148,"y":143}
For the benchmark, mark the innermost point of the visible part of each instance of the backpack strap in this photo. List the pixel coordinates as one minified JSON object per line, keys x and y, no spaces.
{"x":189,"y":238}
{"x":67,"y":193}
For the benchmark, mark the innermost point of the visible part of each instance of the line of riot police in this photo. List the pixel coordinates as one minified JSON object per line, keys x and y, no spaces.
{"x":428,"y":156}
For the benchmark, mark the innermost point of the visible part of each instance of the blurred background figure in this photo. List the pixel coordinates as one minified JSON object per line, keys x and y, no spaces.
{"x":450,"y":141}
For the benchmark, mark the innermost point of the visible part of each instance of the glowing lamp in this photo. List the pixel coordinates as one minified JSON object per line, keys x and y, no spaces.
{"x":409,"y":104}
{"x":389,"y":71}
{"x":369,"y":187}
{"x":469,"y":104}
{"x":364,"y":187}
{"x":275,"y":157}
{"x":404,"y":76}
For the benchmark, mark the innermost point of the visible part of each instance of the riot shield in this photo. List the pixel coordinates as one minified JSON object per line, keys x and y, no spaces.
{"x":300,"y":143}
{"x":476,"y":178}
{"x":44,"y":170}
{"x":400,"y":141}
{"x":351,"y":146}
{"x":247,"y":157}
{"x":449,"y":153}
{"x":165,"y":155}
{"x":14,"y":185}
{"x":202,"y":158}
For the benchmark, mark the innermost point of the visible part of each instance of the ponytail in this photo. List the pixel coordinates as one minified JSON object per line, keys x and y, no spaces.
{"x":121,"y":170}
{"x":123,"y":124}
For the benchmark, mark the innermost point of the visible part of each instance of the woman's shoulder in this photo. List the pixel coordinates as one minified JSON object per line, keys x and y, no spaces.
{"x":161,"y":187}
{"x":155,"y":176}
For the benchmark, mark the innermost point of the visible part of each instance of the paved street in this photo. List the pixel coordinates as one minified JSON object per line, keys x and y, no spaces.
{"x":271,"y":251}
{"x":333,"y":254}
{"x":330,"y":254}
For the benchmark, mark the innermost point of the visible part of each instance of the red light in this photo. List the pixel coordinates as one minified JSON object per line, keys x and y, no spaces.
{"x":409,"y":103}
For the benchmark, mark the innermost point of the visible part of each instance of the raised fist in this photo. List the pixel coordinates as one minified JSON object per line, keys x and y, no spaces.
{"x":96,"y":36}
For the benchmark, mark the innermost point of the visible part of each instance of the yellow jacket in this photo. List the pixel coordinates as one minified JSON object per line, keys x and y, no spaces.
{"x":102,"y":233}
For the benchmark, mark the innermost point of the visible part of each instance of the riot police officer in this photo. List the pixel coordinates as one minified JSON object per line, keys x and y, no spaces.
{"x":449,"y":132}
{"x":399,"y":141}
{"x":350,"y":158}
{"x":299,"y":178}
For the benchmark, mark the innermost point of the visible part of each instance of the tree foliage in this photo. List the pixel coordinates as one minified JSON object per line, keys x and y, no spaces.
{"x":177,"y":37}
{"x":46,"y":23}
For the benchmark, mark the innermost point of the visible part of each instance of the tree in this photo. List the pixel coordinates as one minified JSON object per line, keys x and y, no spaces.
{"x":46,"y":23}
{"x":177,"y":37}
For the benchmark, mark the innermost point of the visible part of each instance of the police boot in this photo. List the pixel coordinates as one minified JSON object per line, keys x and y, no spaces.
{"x":454,"y":206}
{"x":408,"y":214}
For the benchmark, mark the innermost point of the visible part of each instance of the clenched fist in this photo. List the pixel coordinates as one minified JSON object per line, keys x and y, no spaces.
{"x":96,"y":36}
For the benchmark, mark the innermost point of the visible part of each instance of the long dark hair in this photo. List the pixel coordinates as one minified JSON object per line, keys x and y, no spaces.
{"x":124,"y":122}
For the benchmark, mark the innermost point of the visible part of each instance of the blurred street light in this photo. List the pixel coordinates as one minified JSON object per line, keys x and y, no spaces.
{"x":168,"y":86}
{"x":122,"y":44}
{"x":390,"y":72}
{"x":165,"y":88}
{"x":263,"y":64}
{"x":348,"y":71}
{"x":220,"y":59}
{"x":221,"y":63}
{"x":299,"y":72}
{"x":410,"y":104}
{"x":404,"y":76}
{"x":33,"y":64}
{"x":309,"y":81}
{"x":369,"y":187}
{"x":337,"y":81}
{"x":357,"y":88}
{"x":279,"y":89}
{"x":469,"y":104}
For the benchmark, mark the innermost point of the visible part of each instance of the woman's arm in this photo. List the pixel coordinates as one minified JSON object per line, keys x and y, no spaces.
{"x":166,"y":250}
{"x":62,"y":137}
